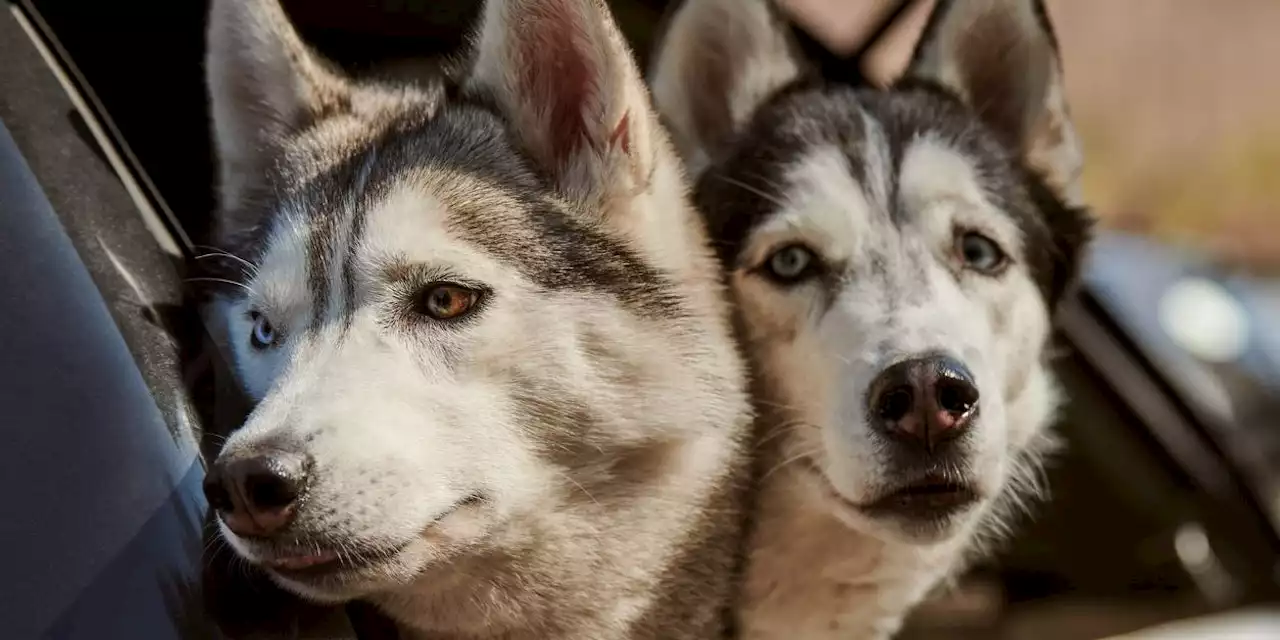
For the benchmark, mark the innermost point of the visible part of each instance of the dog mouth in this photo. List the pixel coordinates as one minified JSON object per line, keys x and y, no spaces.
{"x":928,"y":498}
{"x":328,"y":560}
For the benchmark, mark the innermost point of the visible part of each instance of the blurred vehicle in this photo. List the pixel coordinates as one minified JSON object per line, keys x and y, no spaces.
{"x":1216,"y":337}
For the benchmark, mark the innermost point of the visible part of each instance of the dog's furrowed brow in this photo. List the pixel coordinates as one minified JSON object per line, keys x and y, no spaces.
{"x":400,"y":270}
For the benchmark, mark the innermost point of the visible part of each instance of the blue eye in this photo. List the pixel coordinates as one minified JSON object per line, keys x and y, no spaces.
{"x":263,"y":334}
{"x":791,"y":263}
{"x":981,"y":253}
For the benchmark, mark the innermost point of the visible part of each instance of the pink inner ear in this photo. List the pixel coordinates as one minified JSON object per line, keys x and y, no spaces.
{"x":556,"y":76}
{"x":621,"y":136}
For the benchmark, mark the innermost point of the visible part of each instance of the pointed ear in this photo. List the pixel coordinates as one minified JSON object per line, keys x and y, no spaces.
{"x":717,"y":61}
{"x":561,"y":73}
{"x":1001,"y":57}
{"x":264,"y":85}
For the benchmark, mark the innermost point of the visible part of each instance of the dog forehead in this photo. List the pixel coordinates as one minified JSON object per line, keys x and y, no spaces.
{"x":452,"y":191}
{"x":890,"y":153}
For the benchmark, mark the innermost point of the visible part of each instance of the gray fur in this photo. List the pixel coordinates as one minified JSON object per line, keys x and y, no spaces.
{"x":568,"y":460}
{"x":881,"y":186}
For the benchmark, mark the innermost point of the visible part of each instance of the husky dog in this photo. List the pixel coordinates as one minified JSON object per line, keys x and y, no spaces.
{"x":896,"y":256}
{"x":496,"y":390}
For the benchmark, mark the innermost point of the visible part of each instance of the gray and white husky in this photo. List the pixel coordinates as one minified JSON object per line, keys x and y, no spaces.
{"x":497,"y":393}
{"x":896,"y":256}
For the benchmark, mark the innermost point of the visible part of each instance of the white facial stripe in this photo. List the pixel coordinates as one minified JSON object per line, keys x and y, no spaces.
{"x":940,"y":188}
{"x":281,"y":283}
{"x":878,"y":163}
{"x":408,"y":225}
{"x":411,"y":226}
{"x":824,"y":207}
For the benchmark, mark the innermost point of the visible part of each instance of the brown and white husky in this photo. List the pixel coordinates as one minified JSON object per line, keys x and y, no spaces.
{"x":496,"y":390}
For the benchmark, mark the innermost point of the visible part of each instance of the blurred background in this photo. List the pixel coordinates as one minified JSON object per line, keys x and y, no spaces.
{"x":1165,"y":506}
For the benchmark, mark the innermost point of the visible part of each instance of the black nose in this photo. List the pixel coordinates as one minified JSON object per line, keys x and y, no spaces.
{"x":927,"y":401}
{"x":256,"y":496}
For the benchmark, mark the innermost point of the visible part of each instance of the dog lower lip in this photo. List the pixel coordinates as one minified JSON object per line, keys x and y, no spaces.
{"x":327,"y":562}
{"x":306,"y":561}
{"x":322,"y":562}
{"x":926,"y":499}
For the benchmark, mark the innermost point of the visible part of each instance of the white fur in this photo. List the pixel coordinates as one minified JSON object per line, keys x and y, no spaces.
{"x":820,"y":567}
{"x":870,"y":578}
{"x":583,"y":513}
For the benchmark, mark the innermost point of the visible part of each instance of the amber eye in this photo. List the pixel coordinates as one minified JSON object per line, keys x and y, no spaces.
{"x":447,"y":301}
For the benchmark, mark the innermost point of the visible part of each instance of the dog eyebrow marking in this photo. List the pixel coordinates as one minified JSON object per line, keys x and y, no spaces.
{"x":337,"y":201}
{"x":491,"y":203}
{"x":355,"y":235}
{"x":558,"y":252}
{"x":400,"y":270}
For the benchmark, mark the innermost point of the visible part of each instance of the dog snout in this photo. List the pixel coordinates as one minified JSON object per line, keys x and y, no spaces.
{"x":257,"y":496}
{"x":926,"y":401}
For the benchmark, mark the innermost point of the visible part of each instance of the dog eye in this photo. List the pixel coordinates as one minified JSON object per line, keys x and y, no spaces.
{"x":791,"y":263}
{"x":446,"y":301}
{"x":263,"y":334}
{"x":980,"y":253}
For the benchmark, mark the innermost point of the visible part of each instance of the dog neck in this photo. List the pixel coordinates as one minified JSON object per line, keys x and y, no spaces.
{"x":811,"y":576}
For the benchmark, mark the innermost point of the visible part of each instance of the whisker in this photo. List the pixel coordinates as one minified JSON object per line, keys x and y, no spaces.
{"x":746,"y":187}
{"x":215,"y":546}
{"x":777,"y":405}
{"x":784,"y":429}
{"x":223,"y":281}
{"x":211,"y":251}
{"x":792,"y":460}
{"x":580,"y":487}
{"x":248,"y":265}
{"x":764,"y":179}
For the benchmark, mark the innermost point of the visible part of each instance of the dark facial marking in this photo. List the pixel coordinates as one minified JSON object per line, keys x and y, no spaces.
{"x":807,"y":116}
{"x":739,"y":191}
{"x":355,"y":236}
{"x":545,"y":243}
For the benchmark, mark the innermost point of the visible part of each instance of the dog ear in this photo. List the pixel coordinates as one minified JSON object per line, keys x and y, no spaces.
{"x":1001,"y":58}
{"x":716,"y":63}
{"x":561,"y":73}
{"x":264,"y":85}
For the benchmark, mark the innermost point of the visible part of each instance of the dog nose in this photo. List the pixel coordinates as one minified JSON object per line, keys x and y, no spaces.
{"x":928,"y":401}
{"x":256,"y":496}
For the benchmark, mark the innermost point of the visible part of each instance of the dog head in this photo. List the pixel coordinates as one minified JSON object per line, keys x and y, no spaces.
{"x":461,"y":308}
{"x":896,"y":254}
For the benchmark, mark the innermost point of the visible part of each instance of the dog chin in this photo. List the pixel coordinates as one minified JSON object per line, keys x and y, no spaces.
{"x":900,"y":529}
{"x":922,"y":531}
{"x":328,"y":595}
{"x":337,"y":580}
{"x":922,"y":514}
{"x":332,"y":571}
